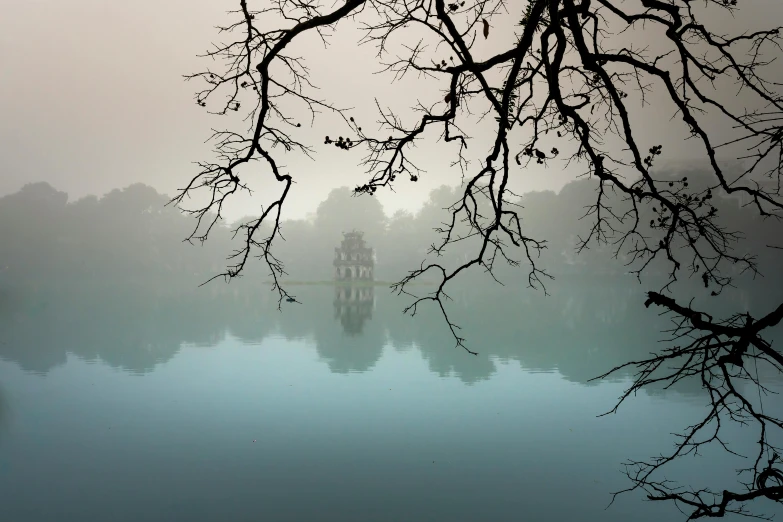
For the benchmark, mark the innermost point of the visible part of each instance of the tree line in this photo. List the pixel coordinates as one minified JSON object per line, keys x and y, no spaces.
{"x":132,"y":233}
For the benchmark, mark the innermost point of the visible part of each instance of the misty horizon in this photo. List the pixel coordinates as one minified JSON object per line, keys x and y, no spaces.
{"x":388,"y":261}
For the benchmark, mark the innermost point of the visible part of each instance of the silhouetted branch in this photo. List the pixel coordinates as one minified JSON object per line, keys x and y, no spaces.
{"x":718,"y":353}
{"x":567,"y":73}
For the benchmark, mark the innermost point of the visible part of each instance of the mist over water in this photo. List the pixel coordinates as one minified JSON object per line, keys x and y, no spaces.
{"x":127,"y":392}
{"x":151,"y":403}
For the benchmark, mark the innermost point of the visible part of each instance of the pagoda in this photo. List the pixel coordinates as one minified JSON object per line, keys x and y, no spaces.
{"x":353,"y":260}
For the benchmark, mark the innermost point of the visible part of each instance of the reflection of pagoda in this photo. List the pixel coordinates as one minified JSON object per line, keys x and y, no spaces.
{"x":353,"y":306}
{"x":352,"y":259}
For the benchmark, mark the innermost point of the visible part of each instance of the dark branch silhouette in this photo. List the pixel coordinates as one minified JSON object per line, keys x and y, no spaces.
{"x":573,"y":72}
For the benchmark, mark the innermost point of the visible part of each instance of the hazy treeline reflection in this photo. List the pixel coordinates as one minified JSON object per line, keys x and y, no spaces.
{"x":579,"y":333}
{"x":110,"y":278}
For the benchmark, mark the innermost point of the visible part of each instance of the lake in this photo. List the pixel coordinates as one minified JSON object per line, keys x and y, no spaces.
{"x":134,"y":403}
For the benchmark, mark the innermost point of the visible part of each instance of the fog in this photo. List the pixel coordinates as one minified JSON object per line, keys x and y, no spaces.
{"x":133,"y":234}
{"x":93,"y":98}
{"x":123,"y":357}
{"x":110,"y":278}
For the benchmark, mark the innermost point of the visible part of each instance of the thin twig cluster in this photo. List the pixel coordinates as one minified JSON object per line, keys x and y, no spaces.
{"x":565,"y":92}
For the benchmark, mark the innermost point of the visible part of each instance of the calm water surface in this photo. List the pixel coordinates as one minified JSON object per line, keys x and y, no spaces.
{"x":129,"y":405}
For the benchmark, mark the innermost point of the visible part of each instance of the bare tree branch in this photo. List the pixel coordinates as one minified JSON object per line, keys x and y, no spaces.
{"x":573,"y":72}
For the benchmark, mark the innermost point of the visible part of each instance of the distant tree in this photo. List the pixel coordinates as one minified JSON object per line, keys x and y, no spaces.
{"x":31,"y":226}
{"x":342,"y":212}
{"x":403,"y":245}
{"x":570,"y":83}
{"x":126,"y":233}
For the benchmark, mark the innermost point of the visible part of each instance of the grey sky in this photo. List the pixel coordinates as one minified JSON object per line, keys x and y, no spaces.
{"x":92,"y":98}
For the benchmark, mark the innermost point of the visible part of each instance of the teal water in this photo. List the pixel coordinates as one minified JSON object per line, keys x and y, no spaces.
{"x":133,"y":404}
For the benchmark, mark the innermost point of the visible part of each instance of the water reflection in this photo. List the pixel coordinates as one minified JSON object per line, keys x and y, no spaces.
{"x":5,"y":413}
{"x":353,"y":306}
{"x":267,"y":430}
{"x":579,"y":330}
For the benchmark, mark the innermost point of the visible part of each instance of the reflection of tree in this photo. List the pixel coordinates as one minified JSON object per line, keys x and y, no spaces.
{"x":130,"y":327}
{"x":5,"y":412}
{"x":132,"y":301}
{"x":250,"y":319}
{"x":724,"y":354}
{"x":525,"y":328}
{"x":353,"y":305}
{"x":128,"y":236}
{"x":343,"y":352}
{"x":137,"y":327}
{"x":435,"y":344}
